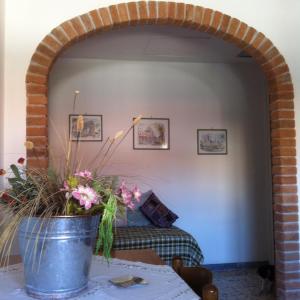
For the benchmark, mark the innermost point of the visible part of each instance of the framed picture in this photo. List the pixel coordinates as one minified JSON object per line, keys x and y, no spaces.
{"x":92,"y":128}
{"x":152,"y":134}
{"x":212,"y":141}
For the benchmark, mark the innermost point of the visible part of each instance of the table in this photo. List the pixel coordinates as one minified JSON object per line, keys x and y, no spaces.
{"x":147,"y":256}
{"x":164,"y":283}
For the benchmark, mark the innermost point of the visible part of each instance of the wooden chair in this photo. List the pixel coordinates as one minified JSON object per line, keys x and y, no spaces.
{"x":199,"y":279}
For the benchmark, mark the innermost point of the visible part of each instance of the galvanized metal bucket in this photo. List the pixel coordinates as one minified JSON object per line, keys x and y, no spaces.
{"x":57,"y":254}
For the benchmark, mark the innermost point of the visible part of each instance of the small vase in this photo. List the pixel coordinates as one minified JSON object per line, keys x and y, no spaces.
{"x":57,"y":254}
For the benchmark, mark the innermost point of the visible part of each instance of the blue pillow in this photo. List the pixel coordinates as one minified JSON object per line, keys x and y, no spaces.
{"x":136,"y":217}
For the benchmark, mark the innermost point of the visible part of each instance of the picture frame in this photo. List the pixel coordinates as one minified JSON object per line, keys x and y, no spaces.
{"x":92,"y":130}
{"x":152,"y":134}
{"x":212,"y":142}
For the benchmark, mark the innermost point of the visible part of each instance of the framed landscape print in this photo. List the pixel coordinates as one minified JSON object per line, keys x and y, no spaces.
{"x":152,"y":134}
{"x":212,"y":141}
{"x":92,"y":128}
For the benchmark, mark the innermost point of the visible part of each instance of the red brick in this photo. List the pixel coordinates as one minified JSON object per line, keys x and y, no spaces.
{"x":39,"y":141}
{"x":217,"y":18}
{"x":282,"y":69}
{"x":284,"y":170}
{"x":152,"y":12}
{"x":287,"y":246}
{"x":286,"y":227}
{"x":38,"y":152}
{"x":133,"y":14}
{"x":283,"y":133}
{"x":69,"y":30}
{"x":36,"y":110}
{"x":96,"y":19}
{"x":279,"y":188}
{"x":282,"y":255}
{"x":114,"y":14}
{"x":179,"y":13}
{"x":284,"y":142}
{"x":234,"y":24}
{"x":285,"y":198}
{"x":77,"y":25}
{"x":37,"y":99}
{"x":41,"y":60}
{"x":258,"y":40}
{"x":241,"y":32}
{"x":198,"y":16}
{"x":30,"y":78}
{"x":172,"y":11}
{"x":281,"y":104}
{"x":284,"y":161}
{"x":286,"y":218}
{"x":283,"y":124}
{"x":286,"y":96}
{"x":286,"y":209}
{"x":52,"y":43}
{"x":162,"y":12}
{"x":37,"y":121}
{"x":273,"y":52}
{"x":123,"y":13}
{"x":37,"y":163}
{"x":289,"y":267}
{"x":280,"y":79}
{"x":105,"y":17}
{"x":36,"y":88}
{"x":265,"y":46}
{"x":87,"y":22}
{"x":224,"y":25}
{"x":207,"y":15}
{"x":38,"y":70}
{"x":282,"y":115}
{"x":36,"y":131}
{"x":249,"y":35}
{"x":283,"y":294}
{"x":283,"y":151}
{"x":45,"y":50}
{"x":189,"y":15}
{"x":60,"y":35}
{"x":284,"y":179}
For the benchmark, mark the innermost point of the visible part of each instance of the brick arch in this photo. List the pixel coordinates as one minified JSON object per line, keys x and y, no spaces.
{"x":281,"y":104}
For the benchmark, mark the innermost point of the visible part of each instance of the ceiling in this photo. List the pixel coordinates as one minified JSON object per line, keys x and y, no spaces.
{"x":156,"y":43}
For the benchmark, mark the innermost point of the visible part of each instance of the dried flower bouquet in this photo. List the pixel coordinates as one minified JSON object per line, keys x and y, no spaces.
{"x":47,"y":193}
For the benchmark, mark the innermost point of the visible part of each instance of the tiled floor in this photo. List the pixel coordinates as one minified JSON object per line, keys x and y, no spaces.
{"x":239,"y":284}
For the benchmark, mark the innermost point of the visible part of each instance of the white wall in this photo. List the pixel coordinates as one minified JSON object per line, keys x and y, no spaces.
{"x":1,"y":81}
{"x":222,"y":200}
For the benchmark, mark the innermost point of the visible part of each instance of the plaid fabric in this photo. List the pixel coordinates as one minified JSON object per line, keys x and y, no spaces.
{"x":166,"y":242}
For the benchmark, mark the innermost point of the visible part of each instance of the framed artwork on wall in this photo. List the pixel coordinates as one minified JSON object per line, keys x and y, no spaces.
{"x":152,"y":134}
{"x":92,"y":128}
{"x":212,"y":141}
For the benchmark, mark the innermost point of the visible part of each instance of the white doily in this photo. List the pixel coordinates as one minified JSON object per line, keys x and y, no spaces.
{"x":163,"y":282}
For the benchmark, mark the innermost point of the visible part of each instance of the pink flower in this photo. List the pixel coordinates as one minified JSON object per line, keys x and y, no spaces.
{"x":66,"y":186}
{"x":128,"y":196}
{"x":137,"y":194}
{"x":86,"y":196}
{"x":85,"y":174}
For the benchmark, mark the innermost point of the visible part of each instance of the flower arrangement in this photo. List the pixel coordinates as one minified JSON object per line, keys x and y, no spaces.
{"x":47,"y":193}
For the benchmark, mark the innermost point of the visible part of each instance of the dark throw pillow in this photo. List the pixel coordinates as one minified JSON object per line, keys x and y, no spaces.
{"x":135,"y":217}
{"x":157,"y":212}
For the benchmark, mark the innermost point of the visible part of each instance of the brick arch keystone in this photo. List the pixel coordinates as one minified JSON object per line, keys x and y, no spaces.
{"x":281,"y":103}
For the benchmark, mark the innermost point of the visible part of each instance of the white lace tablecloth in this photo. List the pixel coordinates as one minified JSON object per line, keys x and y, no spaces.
{"x":163,"y":282}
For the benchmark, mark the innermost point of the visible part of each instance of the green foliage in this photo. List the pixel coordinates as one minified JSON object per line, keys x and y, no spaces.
{"x":105,"y":232}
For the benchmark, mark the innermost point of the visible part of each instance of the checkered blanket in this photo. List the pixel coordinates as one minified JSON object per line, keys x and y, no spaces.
{"x":166,"y":242}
